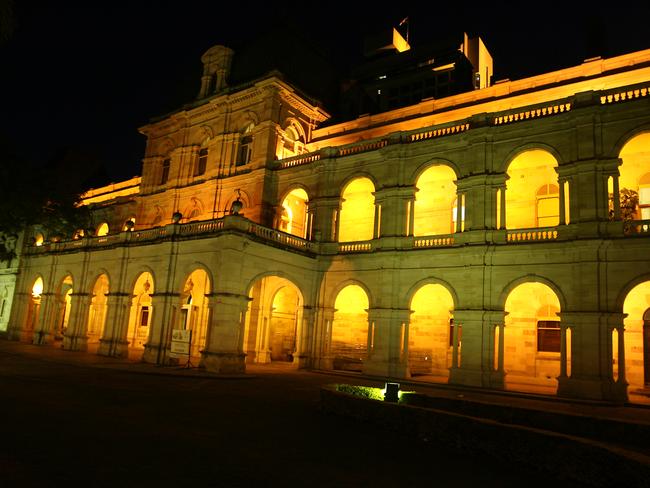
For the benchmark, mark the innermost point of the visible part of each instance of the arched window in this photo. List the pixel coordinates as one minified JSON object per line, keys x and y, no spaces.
{"x":245,"y":146}
{"x":357,"y":215}
{"x":293,"y":217}
{"x":164,"y":174}
{"x":102,"y":230}
{"x":435,"y":198}
{"x":532,"y":192}
{"x":548,"y":205}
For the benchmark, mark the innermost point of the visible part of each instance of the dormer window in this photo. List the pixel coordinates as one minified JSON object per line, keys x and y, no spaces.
{"x":201,"y":163}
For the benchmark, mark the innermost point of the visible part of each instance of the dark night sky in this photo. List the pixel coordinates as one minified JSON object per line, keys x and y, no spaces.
{"x":86,"y":75}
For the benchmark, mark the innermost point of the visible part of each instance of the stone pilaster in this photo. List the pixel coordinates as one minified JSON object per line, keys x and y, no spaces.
{"x":75,"y":337}
{"x":387,"y":343}
{"x":164,"y":315}
{"x":114,"y":342}
{"x":224,"y":351}
{"x":475,"y":365}
{"x":322,"y":344}
{"x":592,"y":357}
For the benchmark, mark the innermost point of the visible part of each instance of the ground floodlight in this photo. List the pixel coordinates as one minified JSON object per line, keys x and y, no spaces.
{"x":391,"y":392}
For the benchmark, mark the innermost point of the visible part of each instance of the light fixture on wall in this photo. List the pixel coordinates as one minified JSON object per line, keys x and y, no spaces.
{"x":237,"y":204}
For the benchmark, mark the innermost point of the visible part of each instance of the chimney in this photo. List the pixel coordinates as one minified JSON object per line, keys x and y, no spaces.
{"x":216,"y":69}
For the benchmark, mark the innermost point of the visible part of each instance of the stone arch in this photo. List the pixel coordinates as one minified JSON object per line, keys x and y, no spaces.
{"x":356,"y":217}
{"x":636,"y":310}
{"x":435,"y":195}
{"x":62,"y":305}
{"x":431,"y":280}
{"x":273,"y":326}
{"x":532,"y":337}
{"x":531,"y":278}
{"x":100,"y":286}
{"x":350,"y":328}
{"x":529,"y":146}
{"x":297,"y":126}
{"x":297,"y":282}
{"x":245,"y":119}
{"x":527,"y":172}
{"x":355,"y":176}
{"x":634,"y":177}
{"x":35,"y":292}
{"x":140,"y":311}
{"x":293,"y":212}
{"x":627,"y":288}
{"x":194,"y":291}
{"x":135,"y":273}
{"x":430,"y":331}
{"x":626,"y":137}
{"x":331,"y":296}
{"x":294,"y":186}
{"x":421,"y":168}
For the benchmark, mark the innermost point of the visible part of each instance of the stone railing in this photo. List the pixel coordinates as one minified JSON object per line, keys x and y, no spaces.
{"x":299,"y":160}
{"x":361,"y":246}
{"x":532,"y":113}
{"x":280,"y":237}
{"x":362,"y":147}
{"x":622,"y":95}
{"x":206,"y":227}
{"x":433,"y":241}
{"x":181,"y":231}
{"x":636,"y":227}
{"x":537,"y":234}
{"x":433,"y":133}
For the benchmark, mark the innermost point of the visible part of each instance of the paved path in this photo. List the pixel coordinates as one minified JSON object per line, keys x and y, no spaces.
{"x":79,"y":419}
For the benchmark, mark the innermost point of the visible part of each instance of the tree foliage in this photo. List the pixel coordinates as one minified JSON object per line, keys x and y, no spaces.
{"x":47,"y":196}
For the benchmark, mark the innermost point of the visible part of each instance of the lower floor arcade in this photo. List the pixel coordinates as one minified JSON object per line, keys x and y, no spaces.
{"x":247,"y":304}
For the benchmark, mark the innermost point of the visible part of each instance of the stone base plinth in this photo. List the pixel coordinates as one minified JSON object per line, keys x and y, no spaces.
{"x":592,"y":389}
{"x":75,"y":343}
{"x":386,"y":369}
{"x":41,"y":337}
{"x":477,"y":377}
{"x":301,"y":362}
{"x":223,"y":362}
{"x":113,"y":348}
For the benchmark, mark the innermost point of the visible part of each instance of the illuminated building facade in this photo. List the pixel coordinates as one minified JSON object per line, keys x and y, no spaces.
{"x":496,"y":237}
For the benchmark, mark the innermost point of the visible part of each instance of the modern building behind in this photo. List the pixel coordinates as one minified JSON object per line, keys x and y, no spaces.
{"x":453,"y":230}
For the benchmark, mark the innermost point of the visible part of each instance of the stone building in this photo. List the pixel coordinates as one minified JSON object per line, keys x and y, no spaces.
{"x":497,"y":237}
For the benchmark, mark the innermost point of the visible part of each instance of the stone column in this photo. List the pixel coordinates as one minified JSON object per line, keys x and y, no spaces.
{"x":164,"y":314}
{"x":75,"y":338}
{"x":18,"y":315}
{"x":43,"y":330}
{"x":114,"y":341}
{"x":323,"y":210}
{"x":388,"y":353}
{"x":478,"y":348}
{"x":393,"y":202}
{"x":591,"y":365}
{"x":302,"y":357}
{"x":322,"y":339}
{"x":224,"y":351}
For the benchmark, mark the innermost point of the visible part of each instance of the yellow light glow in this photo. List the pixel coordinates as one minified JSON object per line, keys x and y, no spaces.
{"x":357,"y":217}
{"x":295,"y":209}
{"x":350,"y":324}
{"x":636,"y":306}
{"x":528,"y":191}
{"x":37,"y":288}
{"x":38,"y":239}
{"x":635,"y":172}
{"x":429,"y":330}
{"x":527,"y":304}
{"x":399,"y":42}
{"x":102,"y":230}
{"x":434,"y":201}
